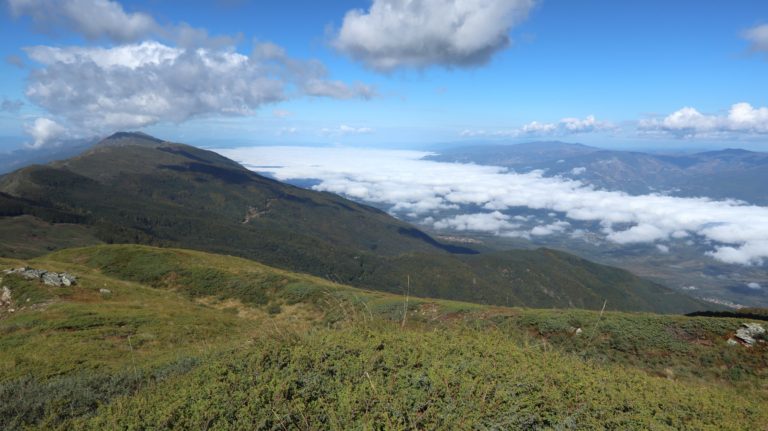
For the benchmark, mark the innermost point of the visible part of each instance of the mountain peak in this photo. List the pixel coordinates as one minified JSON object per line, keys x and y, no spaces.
{"x":130,"y":138}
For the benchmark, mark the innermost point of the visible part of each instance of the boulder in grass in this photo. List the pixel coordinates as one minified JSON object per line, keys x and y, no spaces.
{"x":51,"y":279}
{"x":32,"y":274}
{"x":749,"y":332}
{"x":68,"y":279}
{"x":748,"y":335}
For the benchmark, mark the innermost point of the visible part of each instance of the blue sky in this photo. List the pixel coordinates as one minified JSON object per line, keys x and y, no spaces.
{"x":631,"y":65}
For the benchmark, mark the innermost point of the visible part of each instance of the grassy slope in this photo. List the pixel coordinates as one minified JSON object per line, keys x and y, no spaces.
{"x":140,"y":190}
{"x":192,"y":340}
{"x":27,"y":236}
{"x":533,"y":278}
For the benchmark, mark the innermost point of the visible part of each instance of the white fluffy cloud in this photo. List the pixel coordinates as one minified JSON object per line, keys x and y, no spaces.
{"x":550,"y":229}
{"x":99,"y":90}
{"x":566,"y":126}
{"x":44,"y":131}
{"x":138,"y":81}
{"x":93,"y":19}
{"x":736,"y":233}
{"x":758,"y":37}
{"x":742,"y":118}
{"x":423,"y":33}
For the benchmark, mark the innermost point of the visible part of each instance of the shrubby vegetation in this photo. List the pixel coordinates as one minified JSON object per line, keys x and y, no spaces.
{"x":382,"y":377}
{"x":189,"y":340}
{"x":52,"y":402}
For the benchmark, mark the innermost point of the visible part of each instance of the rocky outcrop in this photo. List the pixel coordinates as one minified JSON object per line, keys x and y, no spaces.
{"x":49,"y":278}
{"x":748,"y":335}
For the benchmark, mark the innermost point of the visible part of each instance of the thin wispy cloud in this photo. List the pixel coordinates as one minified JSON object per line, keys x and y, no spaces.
{"x":108,"y":20}
{"x":346,"y":130}
{"x":758,"y":38}
{"x":15,"y":60}
{"x":281,"y":113}
{"x":731,"y":231}
{"x":10,"y":105}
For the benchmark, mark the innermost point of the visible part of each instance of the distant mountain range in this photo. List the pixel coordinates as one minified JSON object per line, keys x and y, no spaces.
{"x":28,"y":156}
{"x":133,"y":188}
{"x":726,"y":174}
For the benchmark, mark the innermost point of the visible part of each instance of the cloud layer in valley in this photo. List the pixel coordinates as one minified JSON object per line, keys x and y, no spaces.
{"x":421,"y":33}
{"x":733,"y":232}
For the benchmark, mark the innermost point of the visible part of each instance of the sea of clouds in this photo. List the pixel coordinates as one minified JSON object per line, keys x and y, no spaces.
{"x":448,"y":195}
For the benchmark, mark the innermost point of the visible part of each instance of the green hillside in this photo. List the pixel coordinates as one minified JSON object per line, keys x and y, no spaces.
{"x":158,"y":338}
{"x":132,"y":188}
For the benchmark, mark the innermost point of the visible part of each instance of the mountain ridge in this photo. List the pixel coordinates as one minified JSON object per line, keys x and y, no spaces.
{"x":721,"y":174}
{"x":167,"y":194}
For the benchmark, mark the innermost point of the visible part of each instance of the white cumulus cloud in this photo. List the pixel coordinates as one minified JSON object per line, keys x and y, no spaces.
{"x":550,"y":229}
{"x":742,"y":118}
{"x":566,"y":126}
{"x":422,"y":33}
{"x":98,"y":90}
{"x":153,"y":73}
{"x":732,"y":231}
{"x":43,"y":131}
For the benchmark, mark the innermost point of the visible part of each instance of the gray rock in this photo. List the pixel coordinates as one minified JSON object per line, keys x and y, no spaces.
{"x":31,"y":274}
{"x":748,"y":333}
{"x":15,"y":270}
{"x":68,"y":279}
{"x":52,"y":279}
{"x":105,"y":291}
{"x":49,"y":278}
